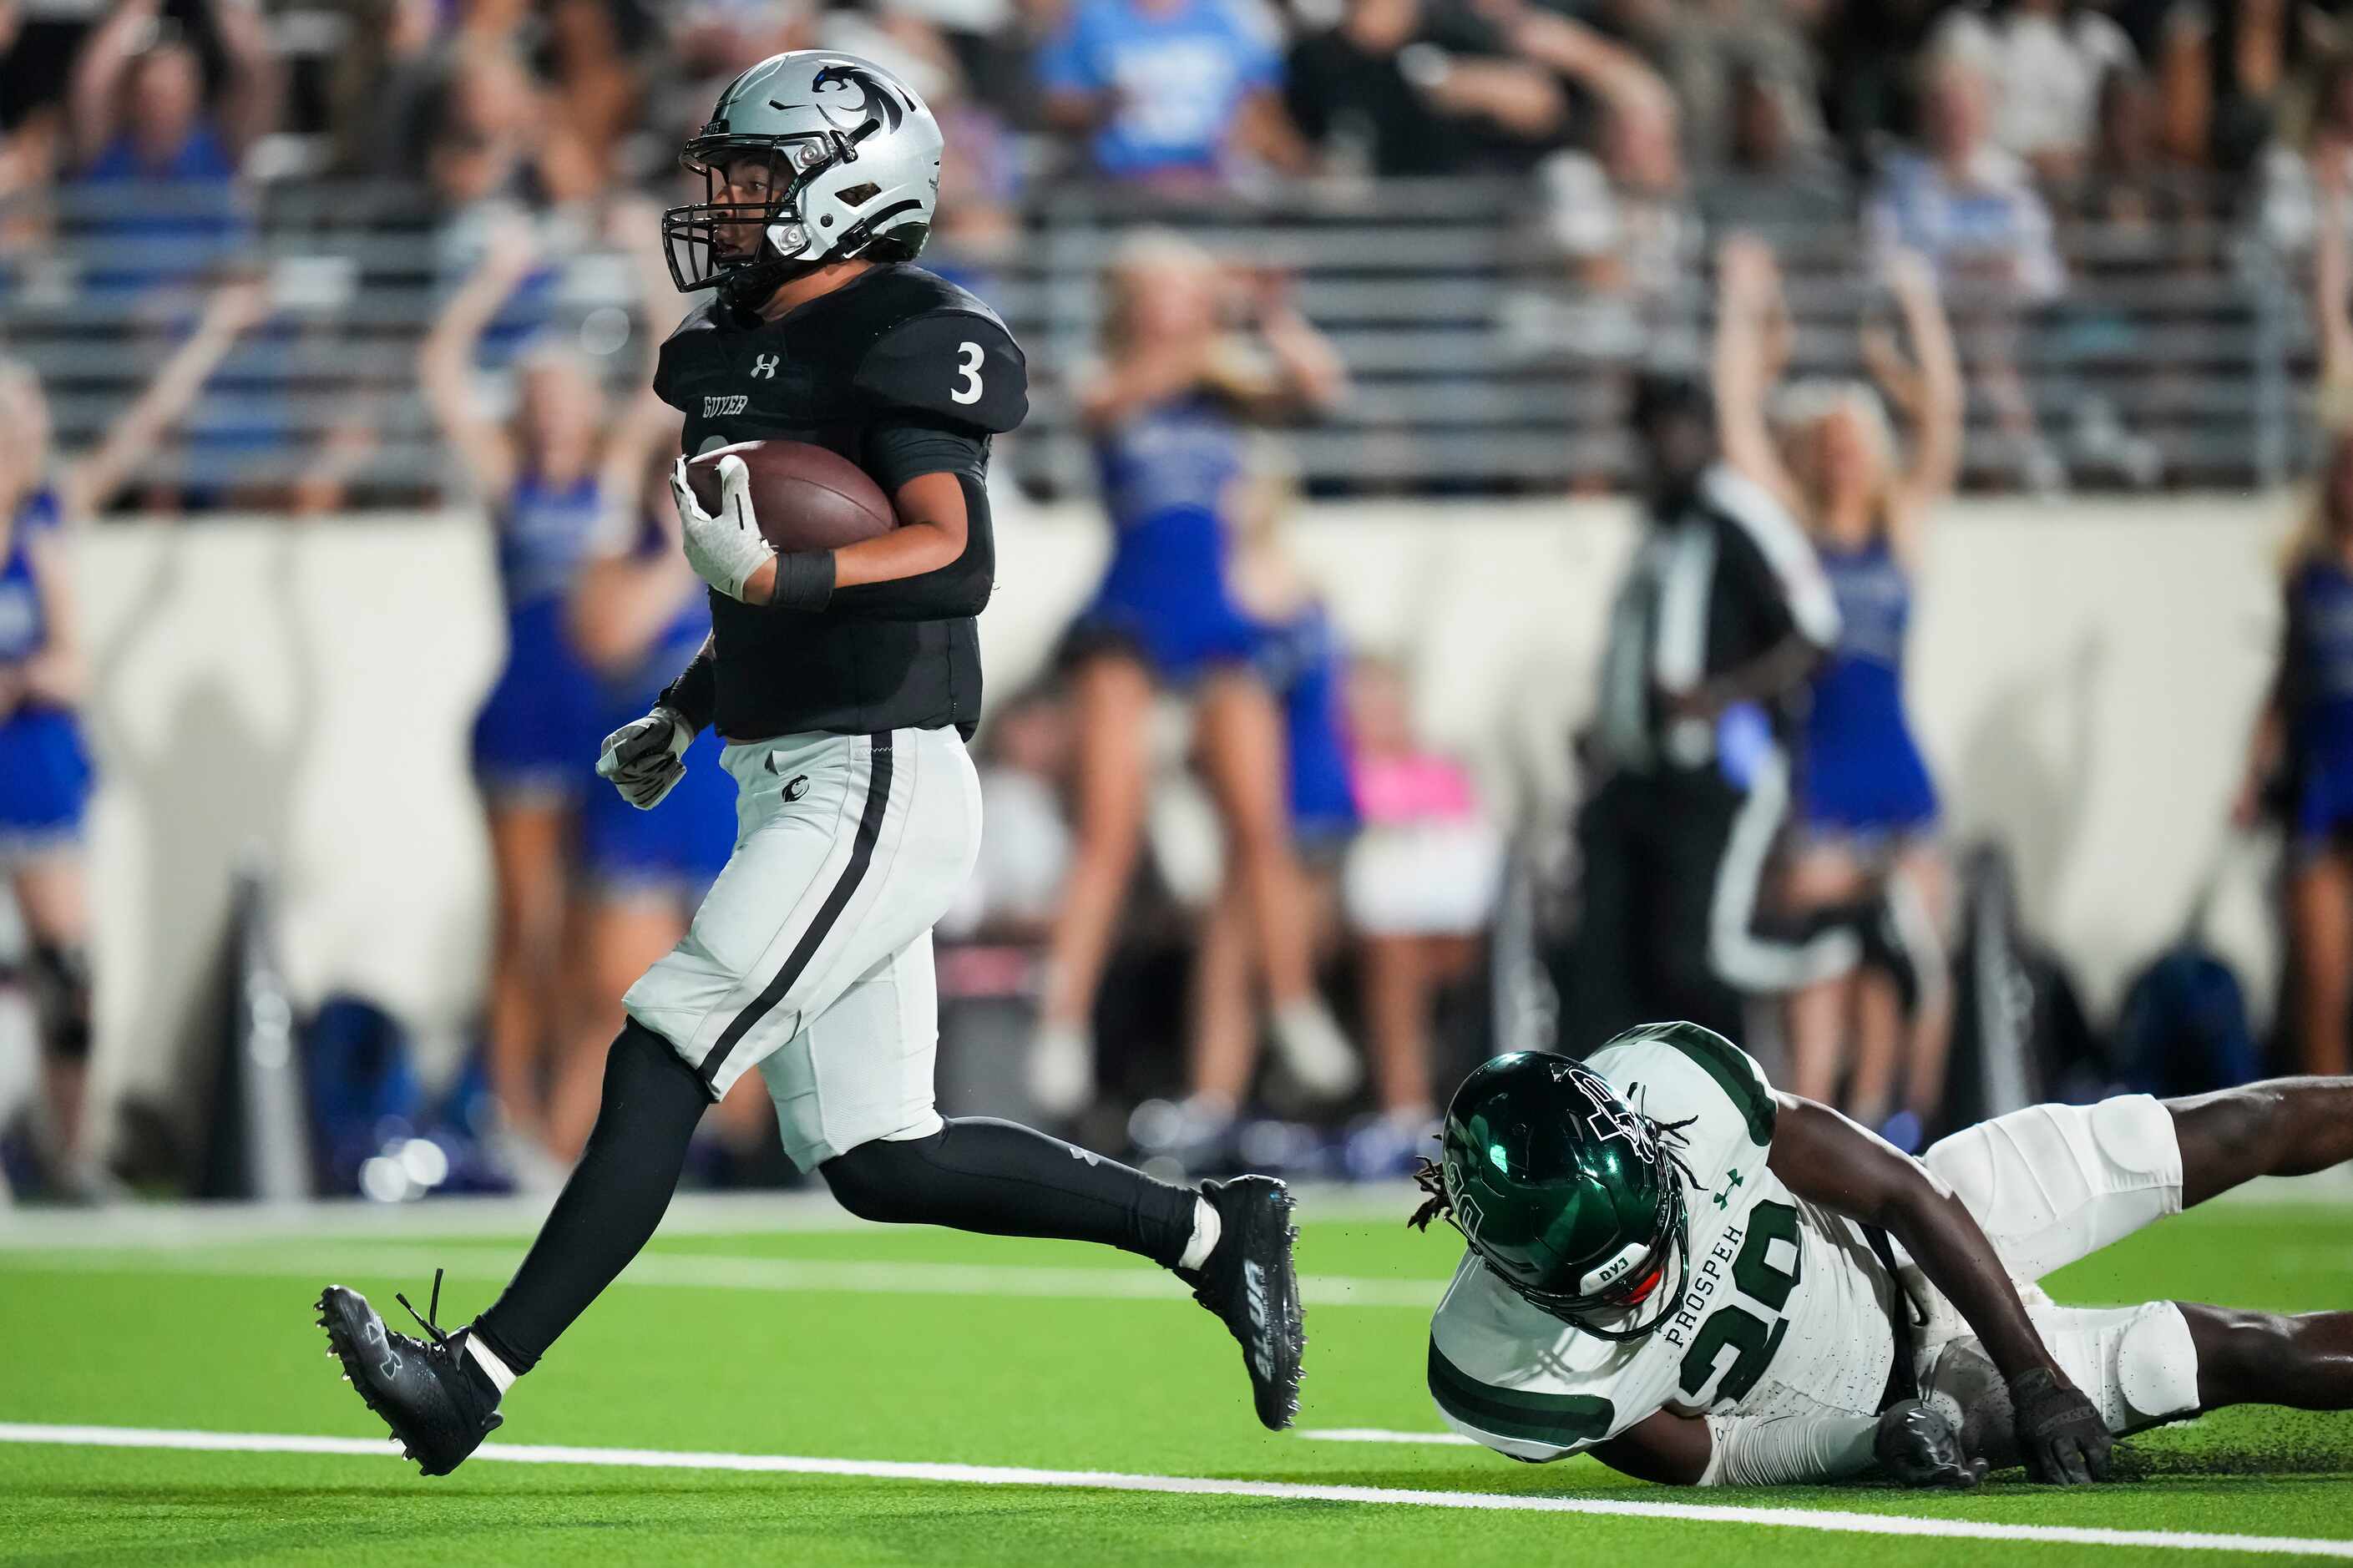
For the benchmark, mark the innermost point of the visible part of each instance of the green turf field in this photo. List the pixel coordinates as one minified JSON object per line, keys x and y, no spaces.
{"x":928,"y":1349}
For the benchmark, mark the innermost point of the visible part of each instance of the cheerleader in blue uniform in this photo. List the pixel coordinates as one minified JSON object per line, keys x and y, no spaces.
{"x":45,"y":769}
{"x":1867,"y":809}
{"x":1168,"y":410}
{"x":536,"y":735}
{"x":1300,"y":659}
{"x":637,"y":614}
{"x":2302,"y":764}
{"x":44,"y":772}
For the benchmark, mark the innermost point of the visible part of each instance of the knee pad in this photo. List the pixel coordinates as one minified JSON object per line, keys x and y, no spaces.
{"x":60,"y":987}
{"x":886,"y":1180}
{"x":2135,"y":1133}
{"x":2156,"y":1365}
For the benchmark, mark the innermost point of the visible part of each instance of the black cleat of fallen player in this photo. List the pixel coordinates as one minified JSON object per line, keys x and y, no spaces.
{"x":1250,"y":1283}
{"x":438,"y":1403}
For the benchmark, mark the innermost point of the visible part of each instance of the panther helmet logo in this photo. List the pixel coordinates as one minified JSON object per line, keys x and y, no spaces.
{"x":876,"y":101}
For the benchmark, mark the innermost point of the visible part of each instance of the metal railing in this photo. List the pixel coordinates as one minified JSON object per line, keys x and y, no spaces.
{"x":1483,"y":361}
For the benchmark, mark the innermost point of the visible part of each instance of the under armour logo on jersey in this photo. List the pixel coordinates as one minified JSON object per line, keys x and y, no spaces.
{"x":1089,"y":1155}
{"x":1723,"y":1198}
{"x":763,"y":366}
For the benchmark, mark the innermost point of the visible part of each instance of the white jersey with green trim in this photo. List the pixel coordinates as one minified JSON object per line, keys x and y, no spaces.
{"x":1784,"y":1310}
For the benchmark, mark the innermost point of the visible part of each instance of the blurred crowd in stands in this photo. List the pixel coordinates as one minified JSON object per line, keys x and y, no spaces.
{"x":1210,"y":826}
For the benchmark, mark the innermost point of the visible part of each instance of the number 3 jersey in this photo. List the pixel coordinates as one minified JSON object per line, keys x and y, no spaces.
{"x":1784,"y":1308}
{"x":905,"y":374}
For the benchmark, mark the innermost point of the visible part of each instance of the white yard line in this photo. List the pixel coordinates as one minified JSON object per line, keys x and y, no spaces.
{"x":1102,"y":1480}
{"x":319,"y":1264}
{"x":167,"y":1226}
{"x":1383,"y":1435}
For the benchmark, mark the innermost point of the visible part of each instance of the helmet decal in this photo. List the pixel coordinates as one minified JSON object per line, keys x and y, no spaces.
{"x":875,"y":101}
{"x":1610,"y":1117}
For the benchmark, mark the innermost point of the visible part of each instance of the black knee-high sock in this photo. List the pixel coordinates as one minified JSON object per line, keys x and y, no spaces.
{"x":979,"y":1173}
{"x":610,"y":1208}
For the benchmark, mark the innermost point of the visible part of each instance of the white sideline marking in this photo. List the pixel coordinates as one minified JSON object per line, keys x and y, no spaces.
{"x":1382,"y":1435}
{"x":1106,"y":1480}
{"x":730,"y":1272}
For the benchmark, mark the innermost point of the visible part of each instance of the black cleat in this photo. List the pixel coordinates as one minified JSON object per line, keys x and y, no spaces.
{"x":1250,"y":1283}
{"x":438,"y":1405}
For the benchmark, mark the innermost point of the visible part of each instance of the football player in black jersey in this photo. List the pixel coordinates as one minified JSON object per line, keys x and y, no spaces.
{"x":845,"y":683}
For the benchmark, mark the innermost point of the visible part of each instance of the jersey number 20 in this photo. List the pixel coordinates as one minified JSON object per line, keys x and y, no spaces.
{"x":1733,"y":1325}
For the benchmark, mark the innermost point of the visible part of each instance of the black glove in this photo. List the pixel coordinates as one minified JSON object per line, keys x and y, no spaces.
{"x":2060,"y":1434}
{"x":1918,"y":1447}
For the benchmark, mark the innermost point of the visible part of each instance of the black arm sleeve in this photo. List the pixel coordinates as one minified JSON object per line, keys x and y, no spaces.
{"x":694,"y":695}
{"x":905,"y":447}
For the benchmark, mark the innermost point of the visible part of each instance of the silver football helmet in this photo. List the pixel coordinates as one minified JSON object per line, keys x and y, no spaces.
{"x":811,"y":156}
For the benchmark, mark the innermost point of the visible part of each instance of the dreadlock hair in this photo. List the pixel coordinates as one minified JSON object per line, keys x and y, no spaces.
{"x":1432,"y":1181}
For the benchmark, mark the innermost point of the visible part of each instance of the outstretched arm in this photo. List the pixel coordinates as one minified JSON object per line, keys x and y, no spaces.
{"x":445,"y":361}
{"x":2332,"y":277}
{"x":1748,"y":316}
{"x":1826,"y":1159}
{"x":256,"y":78}
{"x":96,"y":96}
{"x":95,"y":480}
{"x":1937,"y":404}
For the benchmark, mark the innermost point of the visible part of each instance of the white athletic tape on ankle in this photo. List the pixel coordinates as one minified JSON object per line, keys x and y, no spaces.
{"x":1205,"y":1229}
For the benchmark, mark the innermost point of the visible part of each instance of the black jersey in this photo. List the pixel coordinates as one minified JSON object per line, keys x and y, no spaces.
{"x":1723,"y":575}
{"x":904,"y":373}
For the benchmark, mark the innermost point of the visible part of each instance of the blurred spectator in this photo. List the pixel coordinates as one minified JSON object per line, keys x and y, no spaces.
{"x":2298,"y":177}
{"x":2134,"y":215}
{"x":2151,"y":211}
{"x":153,"y":158}
{"x":2301,"y":759}
{"x":2045,"y":60}
{"x":1869,"y":52}
{"x":1168,"y":92}
{"x":1418,"y":894}
{"x":1420,"y":87}
{"x":2256,"y":54}
{"x":1971,"y":209}
{"x":1867,"y":811}
{"x":45,"y":773}
{"x":495,"y":137}
{"x":1188,"y":359}
{"x":2299,"y":768}
{"x":1769,"y":182}
{"x":1701,"y":49}
{"x":1621,"y":215}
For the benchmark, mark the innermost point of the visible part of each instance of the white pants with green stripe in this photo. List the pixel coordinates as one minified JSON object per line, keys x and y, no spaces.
{"x":811,"y":955}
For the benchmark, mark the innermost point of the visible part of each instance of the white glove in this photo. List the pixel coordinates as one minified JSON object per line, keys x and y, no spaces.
{"x":727,"y":548}
{"x":646,"y":757}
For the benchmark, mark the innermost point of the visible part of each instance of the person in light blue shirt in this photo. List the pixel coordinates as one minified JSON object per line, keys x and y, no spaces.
{"x":1164,"y":89}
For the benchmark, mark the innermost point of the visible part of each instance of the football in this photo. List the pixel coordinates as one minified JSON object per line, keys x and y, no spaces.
{"x":806,"y":496}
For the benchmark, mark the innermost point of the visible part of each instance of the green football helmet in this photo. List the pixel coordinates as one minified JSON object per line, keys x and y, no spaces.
{"x":1571,"y":1197}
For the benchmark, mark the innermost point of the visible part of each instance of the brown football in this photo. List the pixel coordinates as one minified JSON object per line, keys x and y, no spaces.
{"x":806,"y":496}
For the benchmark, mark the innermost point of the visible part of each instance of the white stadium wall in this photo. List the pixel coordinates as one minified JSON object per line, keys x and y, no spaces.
{"x":298,"y":696}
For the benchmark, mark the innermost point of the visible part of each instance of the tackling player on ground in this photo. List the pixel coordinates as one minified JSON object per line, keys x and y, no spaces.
{"x":1701,"y":1280}
{"x":846,"y":683}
